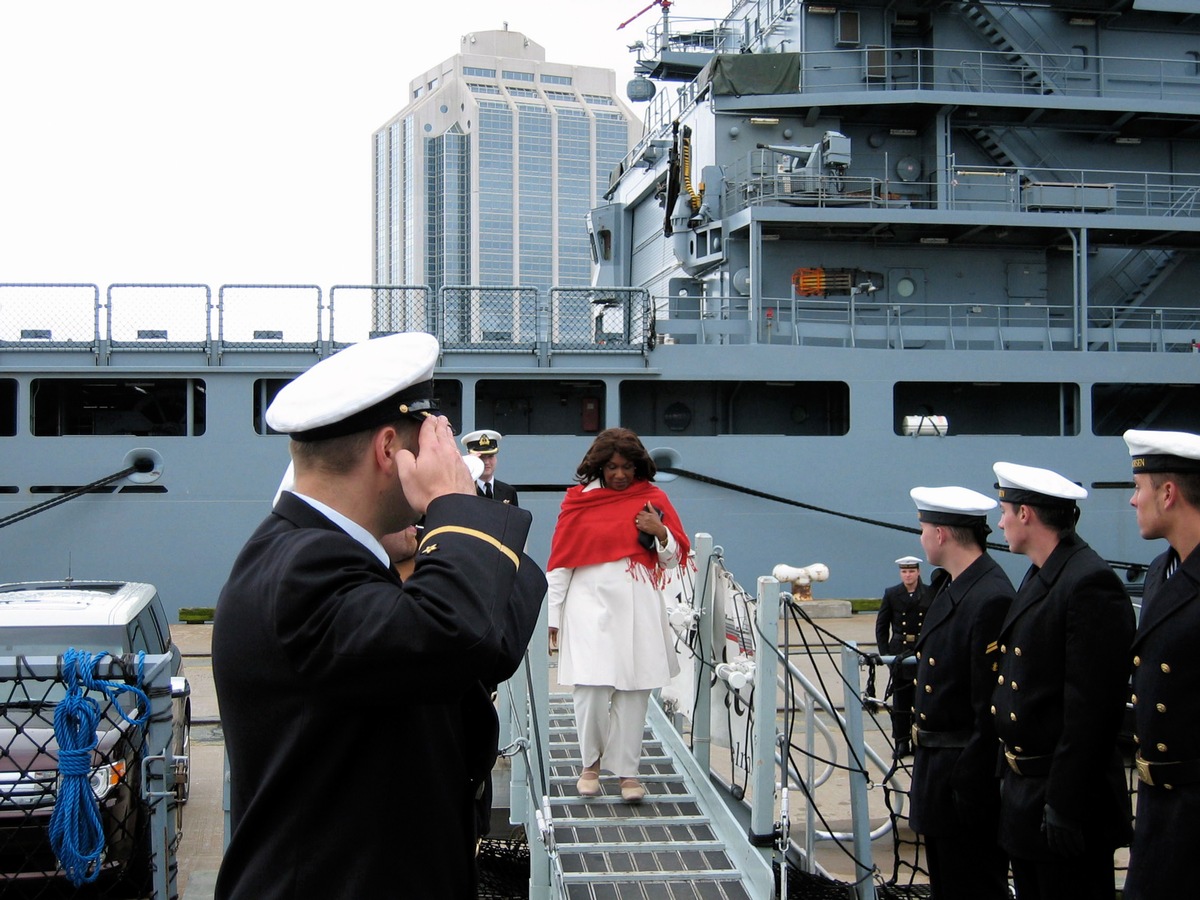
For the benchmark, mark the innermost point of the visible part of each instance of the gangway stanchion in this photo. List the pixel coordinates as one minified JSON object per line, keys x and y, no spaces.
{"x":706,"y":643}
{"x":762,"y":813}
{"x":859,"y":812}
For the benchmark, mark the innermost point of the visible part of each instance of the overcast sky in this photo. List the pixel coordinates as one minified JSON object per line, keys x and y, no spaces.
{"x":230,"y":141}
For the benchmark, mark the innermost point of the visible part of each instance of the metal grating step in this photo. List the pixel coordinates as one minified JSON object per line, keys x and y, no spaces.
{"x":659,"y":890}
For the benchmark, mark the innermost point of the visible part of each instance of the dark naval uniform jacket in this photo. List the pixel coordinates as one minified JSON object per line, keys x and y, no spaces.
{"x":1166,"y":689}
{"x":356,"y":724}
{"x":501,"y":491}
{"x":898,"y":623}
{"x":1059,"y":699}
{"x":954,"y":739}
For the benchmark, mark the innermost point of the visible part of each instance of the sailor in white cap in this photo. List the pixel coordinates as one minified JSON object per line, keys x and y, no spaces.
{"x":897,"y":626}
{"x":1166,"y":681}
{"x":955,"y":796}
{"x":1060,"y":694}
{"x":485,"y":444}
{"x":323,"y":659}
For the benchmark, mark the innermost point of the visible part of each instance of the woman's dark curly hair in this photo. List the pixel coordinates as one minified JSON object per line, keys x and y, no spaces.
{"x":609,"y":443}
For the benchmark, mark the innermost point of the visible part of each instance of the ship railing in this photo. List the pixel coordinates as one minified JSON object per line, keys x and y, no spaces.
{"x":870,"y":68}
{"x":248,"y":320}
{"x":861,"y":320}
{"x":769,"y":178}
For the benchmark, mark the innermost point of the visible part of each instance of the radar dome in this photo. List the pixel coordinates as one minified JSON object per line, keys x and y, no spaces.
{"x":640,"y":89}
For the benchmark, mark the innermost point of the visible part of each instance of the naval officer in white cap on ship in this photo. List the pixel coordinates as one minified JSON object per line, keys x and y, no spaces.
{"x":322,"y":659}
{"x":1059,"y":697}
{"x":1166,"y":679}
{"x":485,"y":444}
{"x":955,"y":793}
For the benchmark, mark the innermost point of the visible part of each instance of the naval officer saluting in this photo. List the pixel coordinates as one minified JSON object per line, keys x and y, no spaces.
{"x":1166,"y":675}
{"x":955,"y":793}
{"x":358,"y":731}
{"x":1059,"y":697}
{"x":485,"y":444}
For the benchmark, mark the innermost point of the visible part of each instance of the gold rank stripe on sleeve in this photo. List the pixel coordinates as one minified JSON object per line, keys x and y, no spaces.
{"x":470,"y":532}
{"x":992,"y":647}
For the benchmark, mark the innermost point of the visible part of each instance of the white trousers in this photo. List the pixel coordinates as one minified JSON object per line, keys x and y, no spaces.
{"x":610,"y":725}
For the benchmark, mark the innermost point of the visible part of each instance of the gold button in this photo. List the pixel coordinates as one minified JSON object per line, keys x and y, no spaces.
{"x":1137,"y":660}
{"x":1161,"y":707}
{"x":1017,"y":750}
{"x":1013,"y":716}
{"x":1169,"y":787}
{"x":1014,"y":685}
{"x":922,"y":717}
{"x":932,"y":661}
{"x":918,"y":654}
{"x":1136,"y":739}
{"x":1162,"y":748}
{"x":1017,"y":650}
{"x":1000,"y":680}
{"x":1133,"y":699}
{"x":929,"y":688}
{"x":993,"y":710}
{"x":1003,"y":649}
{"x":914,"y":681}
{"x":1166,"y":669}
{"x":995,"y":666}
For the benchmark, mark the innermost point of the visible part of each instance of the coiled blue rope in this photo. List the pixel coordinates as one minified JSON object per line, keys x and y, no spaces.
{"x":76,"y":832}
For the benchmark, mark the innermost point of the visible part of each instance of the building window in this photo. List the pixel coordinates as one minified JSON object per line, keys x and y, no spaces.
{"x":517,"y":76}
{"x":599,"y":100}
{"x":475,"y":72}
{"x":477,"y":88}
{"x":555,"y":79}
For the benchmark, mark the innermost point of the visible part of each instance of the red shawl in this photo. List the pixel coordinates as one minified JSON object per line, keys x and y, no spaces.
{"x":597,"y":526}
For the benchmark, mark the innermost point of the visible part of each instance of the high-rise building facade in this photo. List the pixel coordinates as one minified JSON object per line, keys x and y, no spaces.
{"x":486,"y":176}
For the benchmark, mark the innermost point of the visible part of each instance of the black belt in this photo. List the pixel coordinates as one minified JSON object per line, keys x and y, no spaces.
{"x":1031,"y":766}
{"x":1167,"y":774}
{"x":942,"y":740}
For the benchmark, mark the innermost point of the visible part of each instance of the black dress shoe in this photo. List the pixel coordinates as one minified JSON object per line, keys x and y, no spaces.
{"x":903,"y":749}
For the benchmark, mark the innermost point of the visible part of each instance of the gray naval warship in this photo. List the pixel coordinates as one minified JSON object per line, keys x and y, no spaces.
{"x":858,"y":247}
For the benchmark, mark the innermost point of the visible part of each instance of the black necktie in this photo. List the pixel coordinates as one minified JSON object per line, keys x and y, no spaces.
{"x":487,"y":490}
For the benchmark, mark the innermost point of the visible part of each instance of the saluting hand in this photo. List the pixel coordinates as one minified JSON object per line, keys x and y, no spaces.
{"x":436,"y":469}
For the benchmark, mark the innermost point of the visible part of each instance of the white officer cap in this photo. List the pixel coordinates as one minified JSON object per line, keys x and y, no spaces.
{"x":366,"y":385}
{"x":1163,"y":451}
{"x":952,"y":506}
{"x":908,"y":562}
{"x":1034,"y":486}
{"x":483,"y":442}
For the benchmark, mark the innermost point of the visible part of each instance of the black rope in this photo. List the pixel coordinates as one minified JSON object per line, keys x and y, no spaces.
{"x":878,"y":523}
{"x":139,"y":466}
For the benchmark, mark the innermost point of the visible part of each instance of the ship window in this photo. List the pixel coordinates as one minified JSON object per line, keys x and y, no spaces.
{"x":135,"y":406}
{"x":1167,"y":407}
{"x":1026,"y":408}
{"x":8,"y":407}
{"x":847,"y":28}
{"x":448,"y":394}
{"x":709,"y":408}
{"x":540,"y":407}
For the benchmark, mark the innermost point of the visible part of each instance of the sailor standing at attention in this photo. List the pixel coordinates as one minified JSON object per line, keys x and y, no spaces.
{"x":486,"y":445}
{"x":1166,"y":674}
{"x":358,"y":731}
{"x":897,"y":627}
{"x":955,"y":792}
{"x":1059,"y":697}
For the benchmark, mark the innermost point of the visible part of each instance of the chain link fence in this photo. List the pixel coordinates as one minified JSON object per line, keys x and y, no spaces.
{"x":615,"y":319}
{"x":159,"y":316}
{"x":493,"y":318}
{"x":49,"y":317}
{"x":359,"y":312}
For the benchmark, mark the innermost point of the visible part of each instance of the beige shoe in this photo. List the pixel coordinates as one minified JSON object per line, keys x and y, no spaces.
{"x":632,"y":790}
{"x":588,"y":784}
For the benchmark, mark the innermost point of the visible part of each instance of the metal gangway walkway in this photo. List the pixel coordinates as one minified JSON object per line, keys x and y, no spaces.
{"x":696,"y":834}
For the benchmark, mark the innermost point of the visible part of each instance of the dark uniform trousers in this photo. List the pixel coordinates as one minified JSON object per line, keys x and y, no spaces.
{"x":1058,"y":703}
{"x":955,"y":797}
{"x":897,"y":627}
{"x":1166,"y":688}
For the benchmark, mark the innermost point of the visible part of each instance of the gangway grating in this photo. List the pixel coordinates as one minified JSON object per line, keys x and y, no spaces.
{"x":665,"y":848}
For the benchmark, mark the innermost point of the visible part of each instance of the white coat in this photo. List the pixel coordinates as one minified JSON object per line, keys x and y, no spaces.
{"x":612,"y":622}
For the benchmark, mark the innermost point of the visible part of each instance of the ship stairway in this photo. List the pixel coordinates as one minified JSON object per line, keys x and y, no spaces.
{"x":1013,"y":32}
{"x":1008,"y":148}
{"x":677,"y":841}
{"x":1117,"y":297}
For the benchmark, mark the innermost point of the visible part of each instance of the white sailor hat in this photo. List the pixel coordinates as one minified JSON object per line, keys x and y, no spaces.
{"x":1163,"y":451}
{"x":952,"y":505}
{"x":1035,"y":487}
{"x":366,"y":385}
{"x":909,"y":562}
{"x":483,"y":442}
